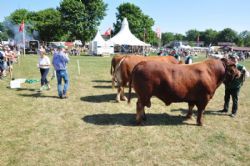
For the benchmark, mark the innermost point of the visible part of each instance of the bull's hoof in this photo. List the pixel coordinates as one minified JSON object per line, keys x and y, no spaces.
{"x":117,"y":100}
{"x":199,"y":124}
{"x":124,"y":98}
{"x":140,"y":123}
{"x":189,"y":117}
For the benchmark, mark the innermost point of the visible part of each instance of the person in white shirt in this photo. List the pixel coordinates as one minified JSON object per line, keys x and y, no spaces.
{"x":10,"y":57}
{"x":44,"y":65}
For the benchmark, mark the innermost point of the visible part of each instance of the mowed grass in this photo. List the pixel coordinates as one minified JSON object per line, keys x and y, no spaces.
{"x":90,"y":128}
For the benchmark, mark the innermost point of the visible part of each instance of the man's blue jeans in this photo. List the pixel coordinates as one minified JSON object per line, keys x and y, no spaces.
{"x":62,"y":75}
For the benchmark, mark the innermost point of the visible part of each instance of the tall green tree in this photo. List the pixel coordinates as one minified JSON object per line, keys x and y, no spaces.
{"x":227,"y":35}
{"x":179,"y":36}
{"x":167,"y":37}
{"x":47,"y":22}
{"x":244,"y":38}
{"x":139,"y":23}
{"x":191,"y":35}
{"x":3,"y":32}
{"x":210,"y":36}
{"x":80,"y":18}
{"x":17,"y":16}
{"x":15,"y":19}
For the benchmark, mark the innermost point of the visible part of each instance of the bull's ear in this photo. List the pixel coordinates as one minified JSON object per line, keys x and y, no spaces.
{"x":224,"y":61}
{"x":231,"y":62}
{"x":227,"y":62}
{"x":232,"y":65}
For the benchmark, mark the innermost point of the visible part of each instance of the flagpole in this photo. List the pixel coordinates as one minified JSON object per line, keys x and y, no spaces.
{"x":159,"y":41}
{"x":24,"y":41}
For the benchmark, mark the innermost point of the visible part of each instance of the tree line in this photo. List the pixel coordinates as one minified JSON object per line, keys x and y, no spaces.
{"x":210,"y":36}
{"x":79,"y":20}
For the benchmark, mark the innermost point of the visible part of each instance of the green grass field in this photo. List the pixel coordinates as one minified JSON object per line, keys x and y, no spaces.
{"x":90,"y":128}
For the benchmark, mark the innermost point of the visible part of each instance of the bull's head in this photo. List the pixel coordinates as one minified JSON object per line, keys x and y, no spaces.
{"x":231,"y":71}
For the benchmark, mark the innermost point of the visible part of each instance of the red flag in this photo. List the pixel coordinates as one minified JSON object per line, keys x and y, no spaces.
{"x":21,"y":27}
{"x":108,"y":32}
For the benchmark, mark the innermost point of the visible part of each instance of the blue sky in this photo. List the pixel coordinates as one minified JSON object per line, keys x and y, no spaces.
{"x":176,"y":16}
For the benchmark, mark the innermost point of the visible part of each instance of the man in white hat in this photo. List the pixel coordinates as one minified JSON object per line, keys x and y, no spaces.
{"x":233,"y":88}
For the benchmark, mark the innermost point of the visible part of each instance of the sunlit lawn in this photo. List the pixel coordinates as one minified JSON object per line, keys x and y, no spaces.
{"x":90,"y":128}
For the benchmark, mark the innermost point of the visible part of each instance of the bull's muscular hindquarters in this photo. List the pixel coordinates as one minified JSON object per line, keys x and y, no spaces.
{"x":124,"y":68}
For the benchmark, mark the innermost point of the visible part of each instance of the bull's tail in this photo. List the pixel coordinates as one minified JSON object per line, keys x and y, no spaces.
{"x":113,"y":81}
{"x":114,"y":72}
{"x":111,"y":70}
{"x":130,"y":87}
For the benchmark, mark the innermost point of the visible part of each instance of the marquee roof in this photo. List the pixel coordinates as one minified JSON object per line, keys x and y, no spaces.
{"x":125,"y":37}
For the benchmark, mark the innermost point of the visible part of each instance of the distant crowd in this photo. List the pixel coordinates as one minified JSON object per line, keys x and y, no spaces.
{"x":181,"y":55}
{"x":187,"y":55}
{"x":8,"y":56}
{"x":242,"y":55}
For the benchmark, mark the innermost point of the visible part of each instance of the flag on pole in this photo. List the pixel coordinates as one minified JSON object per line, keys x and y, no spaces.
{"x":158,"y":32}
{"x":107,"y":32}
{"x":198,"y":38}
{"x":198,"y":41}
{"x":21,"y":27}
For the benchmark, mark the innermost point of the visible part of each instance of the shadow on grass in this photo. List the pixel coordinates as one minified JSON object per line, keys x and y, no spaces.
{"x":129,"y":119}
{"x":99,"y":98}
{"x":206,"y":112}
{"x":103,"y":86}
{"x":26,"y":89}
{"x":103,"y":98}
{"x":38,"y":94}
{"x":104,"y":81}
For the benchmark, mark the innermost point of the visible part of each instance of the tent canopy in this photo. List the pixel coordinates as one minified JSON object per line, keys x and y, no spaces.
{"x":99,"y":46}
{"x":125,"y":37}
{"x":98,"y":38}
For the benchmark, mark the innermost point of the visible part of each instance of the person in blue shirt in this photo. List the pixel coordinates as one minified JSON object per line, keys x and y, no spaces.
{"x":60,"y":61}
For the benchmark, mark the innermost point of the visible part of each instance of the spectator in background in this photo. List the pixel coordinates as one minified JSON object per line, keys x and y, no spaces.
{"x":241,"y":56}
{"x":2,"y":62}
{"x":176,"y":55}
{"x":44,"y":65}
{"x":188,"y":57}
{"x":10,"y":58}
{"x":60,"y":61}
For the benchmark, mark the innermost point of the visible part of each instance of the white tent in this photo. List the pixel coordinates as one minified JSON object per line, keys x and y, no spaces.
{"x":99,"y":46}
{"x":125,"y":37}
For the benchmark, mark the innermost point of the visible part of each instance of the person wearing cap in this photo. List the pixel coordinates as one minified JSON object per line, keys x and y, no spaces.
{"x":233,"y":87}
{"x":176,"y":55}
{"x":188,"y":57}
{"x":60,"y":61}
{"x":44,"y":65}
